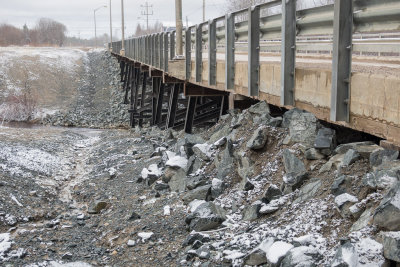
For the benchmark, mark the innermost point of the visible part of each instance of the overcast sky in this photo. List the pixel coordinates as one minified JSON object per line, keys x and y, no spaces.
{"x":77,"y":15}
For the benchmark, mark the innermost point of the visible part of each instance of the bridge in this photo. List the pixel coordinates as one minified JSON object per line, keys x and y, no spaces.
{"x":340,"y":62}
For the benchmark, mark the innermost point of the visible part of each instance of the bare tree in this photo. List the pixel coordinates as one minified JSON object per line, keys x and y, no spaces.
{"x":51,"y":32}
{"x":10,"y":35}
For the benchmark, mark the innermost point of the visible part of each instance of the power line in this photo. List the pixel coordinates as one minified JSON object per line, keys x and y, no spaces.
{"x":147,"y":13}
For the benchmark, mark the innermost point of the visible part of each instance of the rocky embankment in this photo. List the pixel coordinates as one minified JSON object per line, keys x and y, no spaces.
{"x":253,"y":190}
{"x":99,"y":99}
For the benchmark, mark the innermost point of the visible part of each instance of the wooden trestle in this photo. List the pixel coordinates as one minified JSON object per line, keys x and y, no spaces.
{"x":167,"y":102}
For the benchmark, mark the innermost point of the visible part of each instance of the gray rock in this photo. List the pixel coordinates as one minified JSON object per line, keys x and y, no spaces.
{"x":363,"y":148}
{"x":325,"y":141}
{"x":387,"y":215}
{"x":177,"y":182}
{"x":161,"y":186}
{"x":194,"y":164}
{"x":196,"y":181}
{"x":192,"y":238}
{"x":339,"y":185}
{"x":364,"y":220}
{"x":224,"y":131}
{"x":134,"y":216}
{"x":381,"y":179}
{"x":302,"y":126}
{"x":207,"y":216}
{"x":346,"y":256}
{"x":350,"y":157}
{"x":217,"y":188}
{"x":260,"y":108}
{"x":313,"y":154}
{"x":203,"y":252}
{"x":256,"y":257}
{"x":245,"y":166}
{"x":380,"y":156}
{"x":251,"y":212}
{"x":189,"y":141}
{"x":258,"y":140}
{"x":273,"y":192}
{"x":199,"y":193}
{"x":202,"y":151}
{"x":295,"y":171}
{"x":301,"y":257}
{"x":308,"y":191}
{"x":248,"y":186}
{"x":391,"y":245}
{"x":97,"y":207}
{"x":226,"y":165}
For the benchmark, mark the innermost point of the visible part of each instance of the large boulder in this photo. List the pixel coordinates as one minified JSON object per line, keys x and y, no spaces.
{"x":251,"y":212}
{"x":387,"y":215}
{"x":363,"y":148}
{"x":258,"y":140}
{"x":260,"y":108}
{"x":325,"y":141}
{"x":225,"y":165}
{"x":295,"y":171}
{"x":303,"y":127}
{"x":381,"y":156}
{"x":206,"y":216}
{"x":200,"y":193}
{"x":391,"y":245}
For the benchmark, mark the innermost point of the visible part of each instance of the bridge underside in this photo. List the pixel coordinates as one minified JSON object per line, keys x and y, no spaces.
{"x":159,"y":99}
{"x":174,"y":101}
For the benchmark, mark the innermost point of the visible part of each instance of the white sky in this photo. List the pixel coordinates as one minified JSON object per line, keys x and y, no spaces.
{"x":77,"y":15}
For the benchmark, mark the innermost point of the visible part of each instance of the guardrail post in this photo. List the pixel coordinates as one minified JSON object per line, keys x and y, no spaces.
{"x":199,"y":52}
{"x":165,"y":35}
{"x":341,"y":60}
{"x":152,"y":60}
{"x":188,"y":52}
{"x":229,"y":51}
{"x":212,"y":52}
{"x":161,"y":50}
{"x":172,"y":45}
{"x":288,"y":52}
{"x":254,"y":50}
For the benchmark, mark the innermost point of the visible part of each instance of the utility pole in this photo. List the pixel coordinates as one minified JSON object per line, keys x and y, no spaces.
{"x":204,"y":10}
{"x":122,"y":52}
{"x":110,"y":29}
{"x":179,"y":26}
{"x":95,"y":26}
{"x":147,"y":13}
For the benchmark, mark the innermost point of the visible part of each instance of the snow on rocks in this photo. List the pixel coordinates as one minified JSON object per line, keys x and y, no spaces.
{"x":342,"y":199}
{"x":5,"y":245}
{"x":277,"y":251}
{"x":177,"y":162}
{"x":145,"y":235}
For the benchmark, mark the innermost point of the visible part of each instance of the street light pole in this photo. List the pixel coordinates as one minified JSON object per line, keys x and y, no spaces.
{"x":95,"y":27}
{"x":110,"y":29}
{"x":122,"y":52}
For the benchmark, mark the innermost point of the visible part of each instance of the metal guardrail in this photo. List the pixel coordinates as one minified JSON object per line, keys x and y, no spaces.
{"x":340,"y":30}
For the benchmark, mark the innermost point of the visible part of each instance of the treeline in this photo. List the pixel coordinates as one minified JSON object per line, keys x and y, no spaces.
{"x":46,"y":32}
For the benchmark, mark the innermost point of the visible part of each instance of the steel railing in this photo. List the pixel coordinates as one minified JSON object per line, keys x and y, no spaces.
{"x":370,"y":27}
